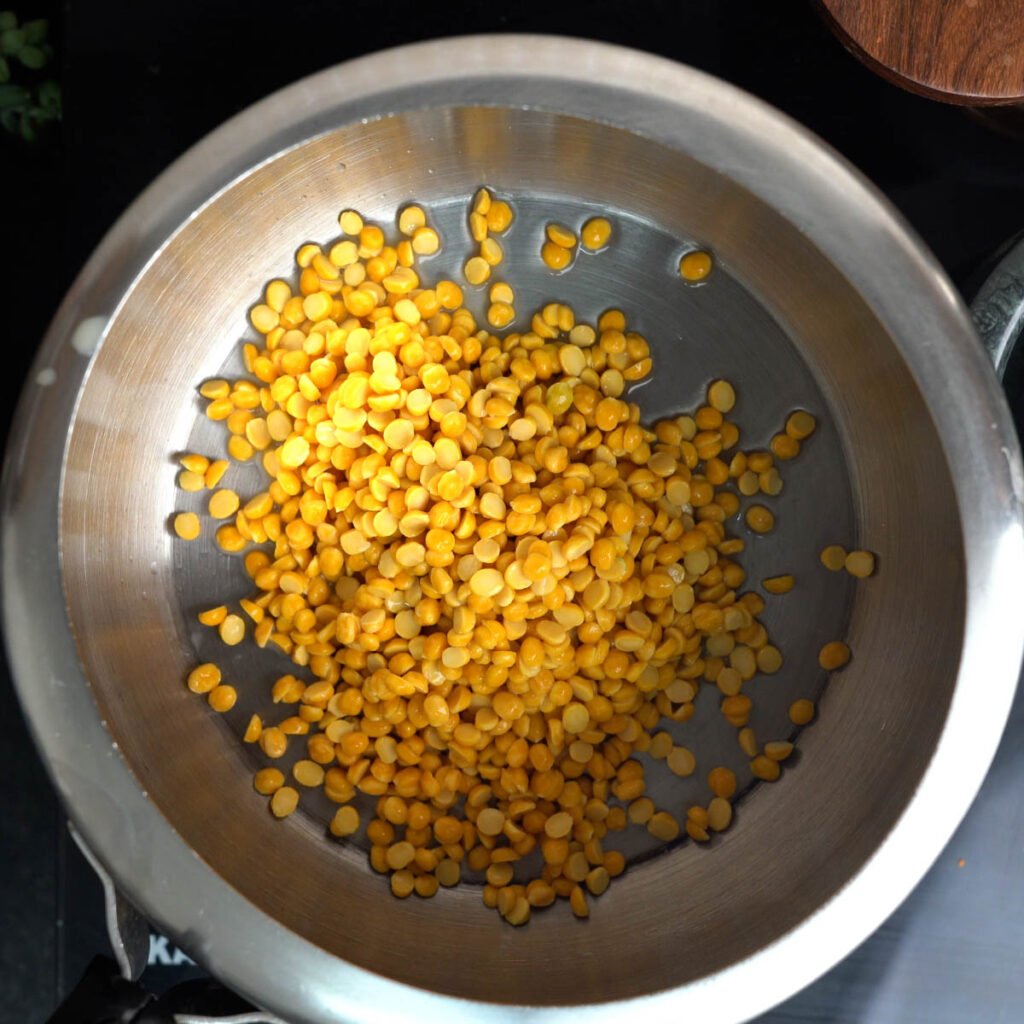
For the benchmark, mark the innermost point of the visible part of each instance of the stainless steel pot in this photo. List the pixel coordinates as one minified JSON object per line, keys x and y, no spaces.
{"x":823,"y":298}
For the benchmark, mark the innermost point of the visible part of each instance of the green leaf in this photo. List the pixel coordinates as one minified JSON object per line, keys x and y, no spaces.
{"x":35,"y":31}
{"x":42,"y":115}
{"x":28,"y":133}
{"x":13,"y":96}
{"x":32,"y":57}
{"x":5,"y":71}
{"x":11,"y":40}
{"x":49,"y":96}
{"x":8,"y":19}
{"x":9,"y":119}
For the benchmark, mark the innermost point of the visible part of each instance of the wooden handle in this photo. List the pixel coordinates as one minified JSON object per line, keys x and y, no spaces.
{"x":959,"y":51}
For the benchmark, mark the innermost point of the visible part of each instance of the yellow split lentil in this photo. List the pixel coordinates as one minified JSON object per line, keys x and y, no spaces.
{"x":560,"y":235}
{"x":765,"y":768}
{"x":721,"y":396}
{"x":268,"y":781}
{"x":495,"y":582}
{"x":555,"y":256}
{"x":190,"y":481}
{"x":477,"y":270}
{"x":695,"y":266}
{"x":801,"y":711}
{"x":663,"y":826}
{"x":800,"y":425}
{"x":187,"y":525}
{"x":223,"y":504}
{"x":426,"y":241}
{"x":833,"y":655}
{"x":194,"y":463}
{"x":833,"y":557}
{"x":779,"y":750}
{"x":596,"y":233}
{"x":253,"y":730}
{"x":778,"y":584}
{"x":232,"y":629}
{"x":719,"y":814}
{"x":214,"y":472}
{"x":222,"y":698}
{"x":203,"y":678}
{"x":284,"y":801}
{"x":860,"y":564}
{"x":499,"y":216}
{"x":345,"y":822}
{"x":760,"y":519}
{"x":213,"y":616}
{"x":411,"y":218}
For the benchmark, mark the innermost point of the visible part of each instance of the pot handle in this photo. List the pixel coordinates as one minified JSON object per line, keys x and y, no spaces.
{"x":998,"y":307}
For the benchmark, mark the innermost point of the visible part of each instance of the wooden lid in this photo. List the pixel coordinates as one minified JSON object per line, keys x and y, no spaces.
{"x":958,"y":51}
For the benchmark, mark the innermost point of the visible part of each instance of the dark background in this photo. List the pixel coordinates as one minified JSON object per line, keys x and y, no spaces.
{"x":143,"y":81}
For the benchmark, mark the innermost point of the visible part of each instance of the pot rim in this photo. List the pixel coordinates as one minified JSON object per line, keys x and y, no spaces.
{"x":750,"y":142}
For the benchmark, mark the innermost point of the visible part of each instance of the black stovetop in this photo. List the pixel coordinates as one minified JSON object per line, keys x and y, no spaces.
{"x":142,"y":82}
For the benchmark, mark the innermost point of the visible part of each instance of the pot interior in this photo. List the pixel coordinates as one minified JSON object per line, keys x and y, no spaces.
{"x":775,"y":317}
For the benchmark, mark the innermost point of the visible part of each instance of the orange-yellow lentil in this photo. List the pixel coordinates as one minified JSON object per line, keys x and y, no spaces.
{"x":833,"y":655}
{"x":596,"y":233}
{"x":695,"y":266}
